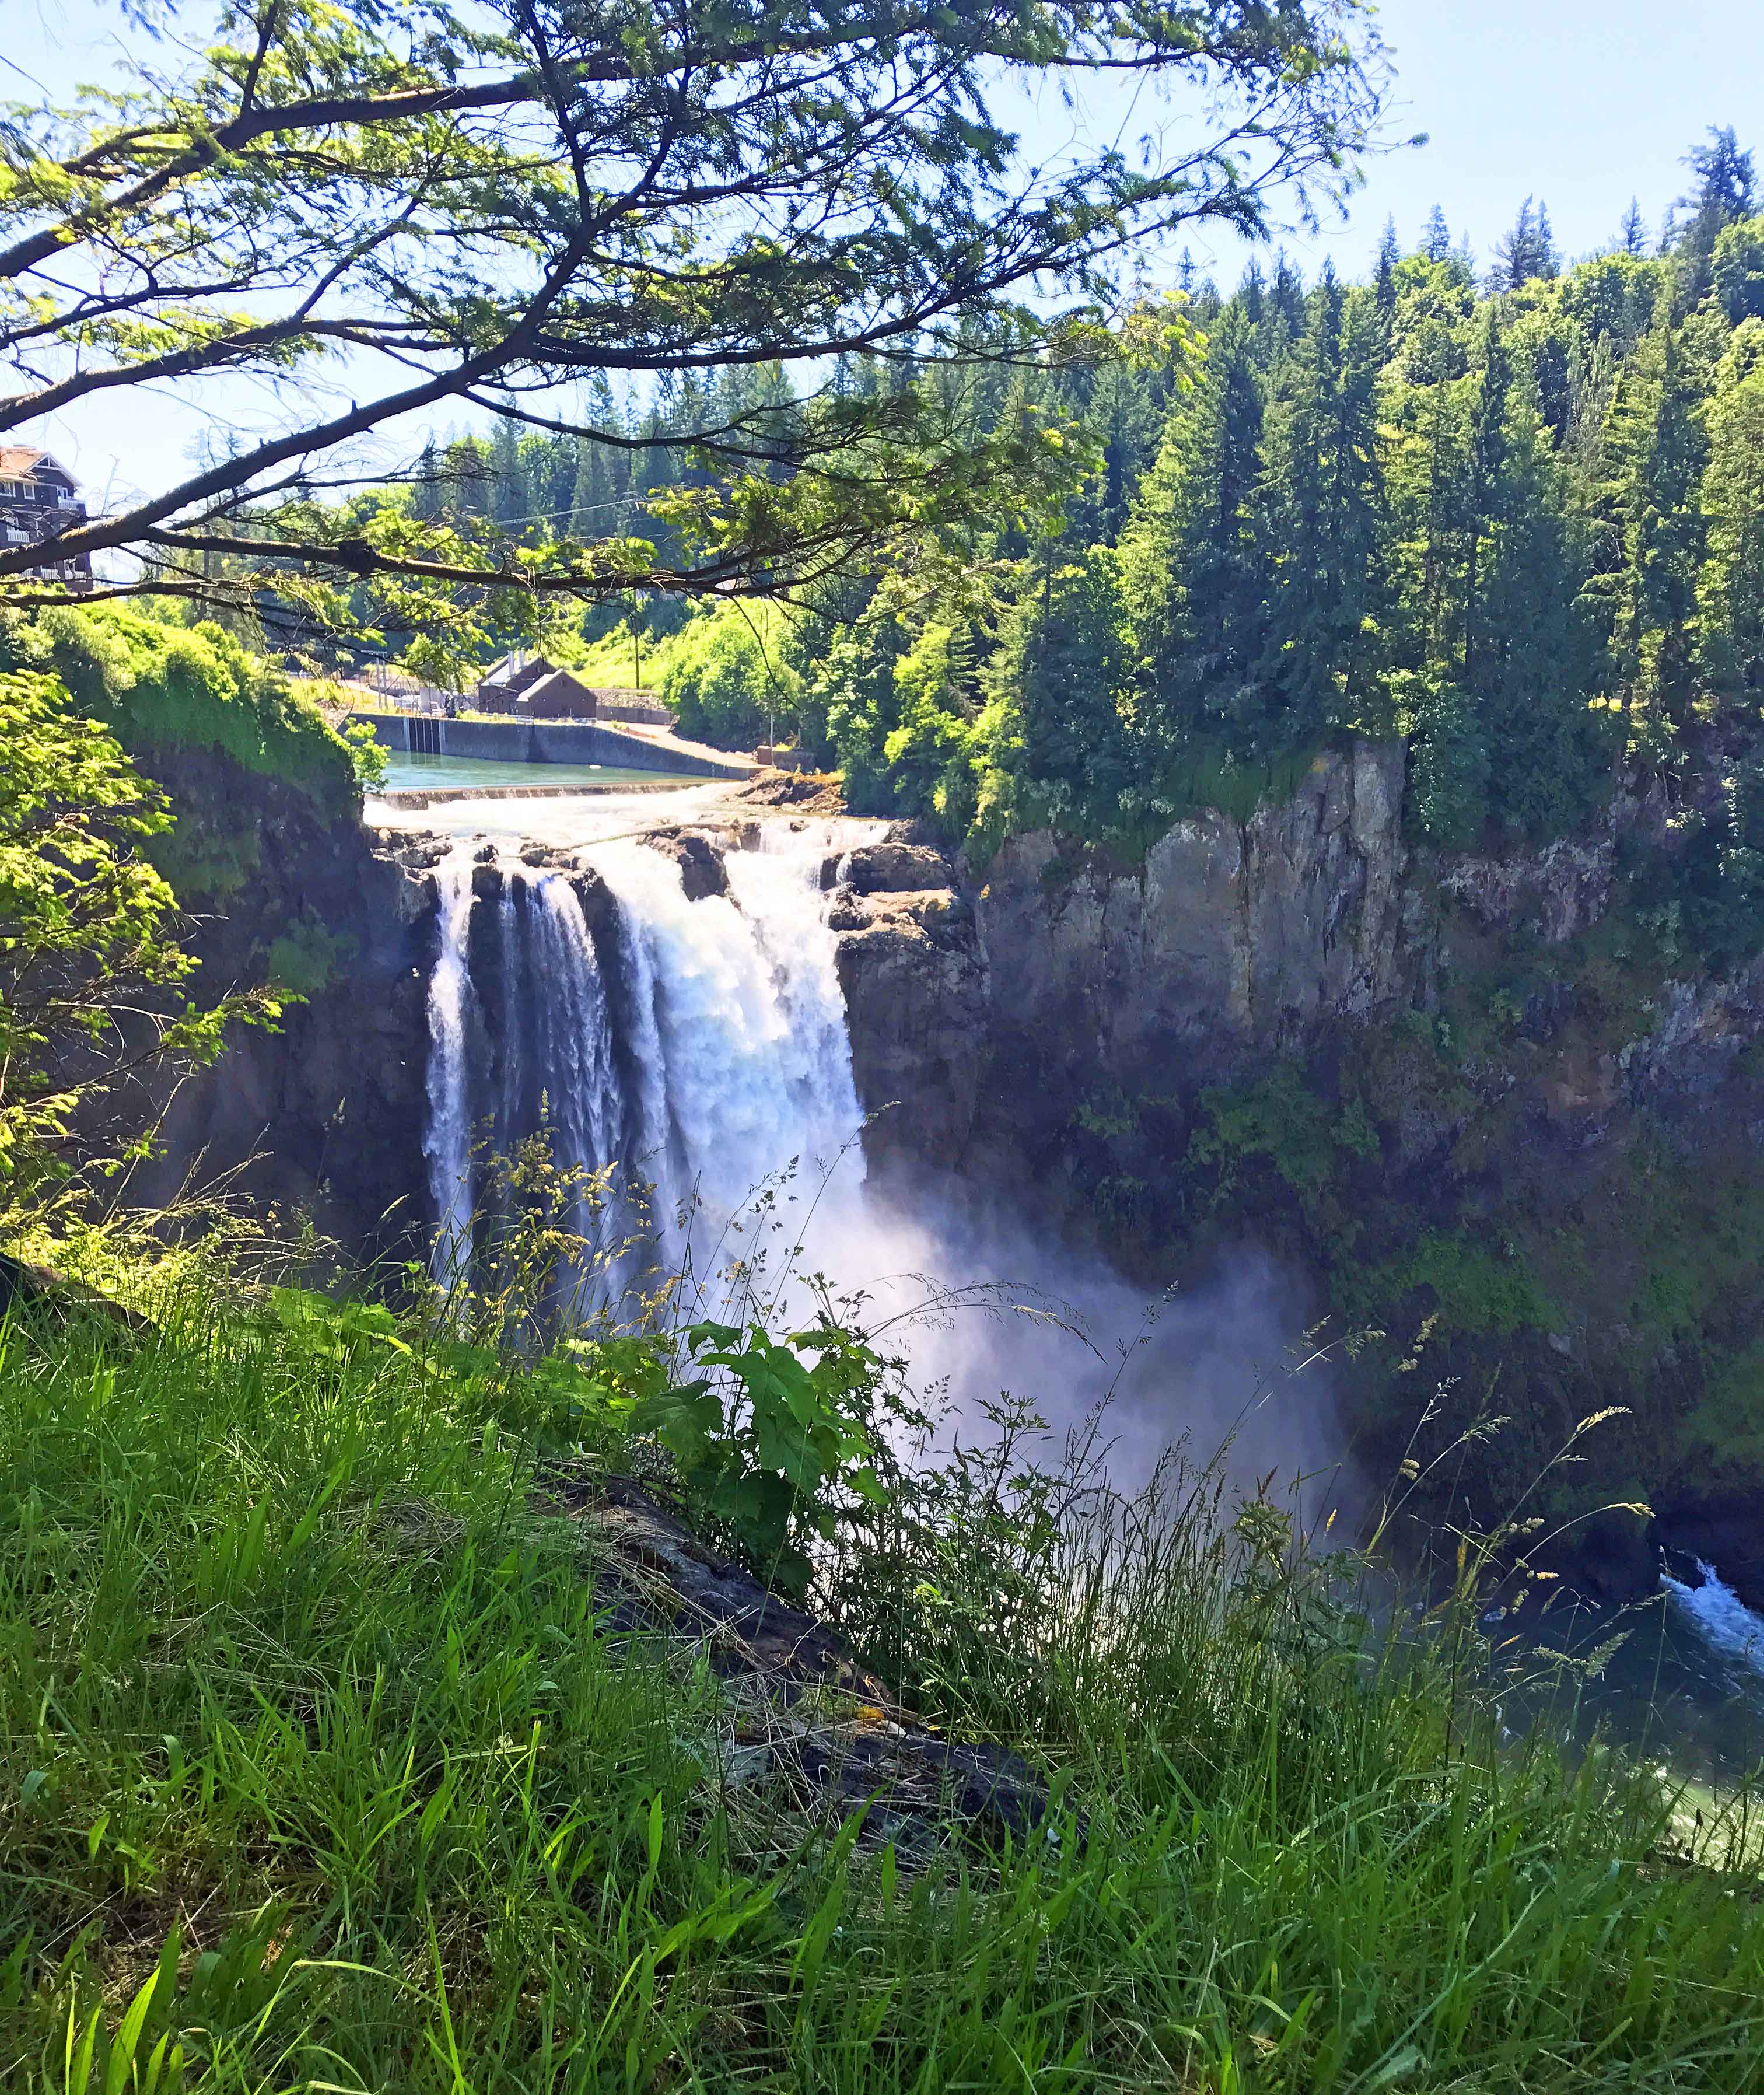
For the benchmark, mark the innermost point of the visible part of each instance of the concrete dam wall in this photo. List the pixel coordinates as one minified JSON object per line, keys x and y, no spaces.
{"x":542,"y":742}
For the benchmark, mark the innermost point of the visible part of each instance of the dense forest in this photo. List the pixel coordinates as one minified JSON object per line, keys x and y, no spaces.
{"x":1516,"y":515}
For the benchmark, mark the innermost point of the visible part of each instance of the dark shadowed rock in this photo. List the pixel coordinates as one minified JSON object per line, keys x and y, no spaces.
{"x":875,"y":869}
{"x":25,"y":1285}
{"x":915,"y":986}
{"x":805,"y":1717}
{"x":701,"y":864}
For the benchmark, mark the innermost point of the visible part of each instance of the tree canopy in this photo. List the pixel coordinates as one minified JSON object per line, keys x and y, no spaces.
{"x":517,"y":207}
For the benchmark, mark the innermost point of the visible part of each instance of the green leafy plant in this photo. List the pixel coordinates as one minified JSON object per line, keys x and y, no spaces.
{"x":758,"y":1442}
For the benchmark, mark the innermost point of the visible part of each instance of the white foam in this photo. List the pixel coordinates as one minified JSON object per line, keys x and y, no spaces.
{"x":738,"y":1038}
{"x":1719,"y":1616}
{"x":447,"y":1139}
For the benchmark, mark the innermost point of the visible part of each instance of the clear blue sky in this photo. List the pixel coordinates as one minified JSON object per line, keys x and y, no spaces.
{"x":1581,"y":102}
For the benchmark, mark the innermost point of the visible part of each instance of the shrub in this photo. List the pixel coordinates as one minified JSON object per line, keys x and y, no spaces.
{"x":725,"y":677}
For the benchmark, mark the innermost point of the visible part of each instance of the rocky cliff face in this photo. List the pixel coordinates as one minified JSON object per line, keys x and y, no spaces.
{"x":1058,"y":970}
{"x":915,"y":992}
{"x":1470,"y":1092}
{"x":1467,"y":1089}
{"x":324,"y":1116}
{"x":1233,"y":938}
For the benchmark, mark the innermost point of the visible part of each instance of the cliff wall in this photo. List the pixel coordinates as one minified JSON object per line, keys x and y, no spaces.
{"x":1488,"y":1099}
{"x":324,"y":1116}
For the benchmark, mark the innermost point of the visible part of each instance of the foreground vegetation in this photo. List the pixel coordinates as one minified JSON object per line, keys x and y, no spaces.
{"x":323,"y":1772}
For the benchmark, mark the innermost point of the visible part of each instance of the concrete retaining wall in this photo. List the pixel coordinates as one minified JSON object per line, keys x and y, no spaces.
{"x":550,"y":741}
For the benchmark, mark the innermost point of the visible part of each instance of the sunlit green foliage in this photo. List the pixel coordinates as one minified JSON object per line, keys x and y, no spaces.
{"x":728,"y":677}
{"x":326,"y":1764}
{"x":92,"y":983}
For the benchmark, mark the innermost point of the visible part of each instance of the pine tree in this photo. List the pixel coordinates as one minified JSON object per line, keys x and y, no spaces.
{"x":1065,"y":664}
{"x":1538,"y":662}
{"x":1549,"y":255}
{"x":1649,"y":531}
{"x":1192,"y":574}
{"x":1390,"y":254}
{"x":1632,"y":234}
{"x":1286,"y":294}
{"x":590,"y":503}
{"x":1737,"y":270}
{"x":1327,"y":520}
{"x":1427,"y":405}
{"x":1528,"y":250}
{"x":428,"y":496}
{"x":1436,"y":236}
{"x":465,"y":466}
{"x":511,"y":503}
{"x":1488,"y":460}
{"x":1723,"y":195}
{"x":1725,"y":177}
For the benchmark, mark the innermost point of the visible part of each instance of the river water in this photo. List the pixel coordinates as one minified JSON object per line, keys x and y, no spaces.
{"x":432,"y":774}
{"x":1685,"y":1686}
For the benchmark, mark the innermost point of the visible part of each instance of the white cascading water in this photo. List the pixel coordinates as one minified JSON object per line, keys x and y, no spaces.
{"x":721,"y":1058}
{"x":447,"y":1140}
{"x":571,"y":1032}
{"x":738,"y":1038}
{"x":1720,"y":1617}
{"x":739,"y":1063}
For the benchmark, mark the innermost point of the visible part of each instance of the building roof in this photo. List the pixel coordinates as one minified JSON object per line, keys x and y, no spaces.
{"x":21,"y":462}
{"x":515,"y":673}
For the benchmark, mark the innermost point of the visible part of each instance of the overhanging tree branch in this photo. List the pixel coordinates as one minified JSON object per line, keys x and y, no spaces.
{"x":581,"y":190}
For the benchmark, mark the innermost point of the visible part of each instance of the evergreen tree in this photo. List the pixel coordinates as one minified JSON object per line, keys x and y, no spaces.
{"x":1650,"y":526}
{"x":1427,"y":404}
{"x":1721,"y":194}
{"x":1488,"y":461}
{"x":1632,"y":234}
{"x":1327,"y":521}
{"x":1390,"y":254}
{"x":1737,"y":269}
{"x":511,"y":501}
{"x":1436,"y":236}
{"x":427,"y":496}
{"x":1064,"y":667}
{"x":1192,"y":574}
{"x":1538,"y":659}
{"x":1730,"y":594}
{"x":1286,"y":294}
{"x":466,"y":474}
{"x":1528,"y":250}
{"x":1725,"y":177}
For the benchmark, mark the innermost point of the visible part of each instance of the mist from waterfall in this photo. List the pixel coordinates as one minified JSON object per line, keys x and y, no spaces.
{"x":717,"y":1067}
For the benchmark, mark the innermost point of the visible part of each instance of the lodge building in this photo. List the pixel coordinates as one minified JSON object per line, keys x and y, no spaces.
{"x":39,"y":500}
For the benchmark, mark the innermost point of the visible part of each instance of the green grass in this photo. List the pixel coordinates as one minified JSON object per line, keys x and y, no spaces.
{"x":320,"y":1772}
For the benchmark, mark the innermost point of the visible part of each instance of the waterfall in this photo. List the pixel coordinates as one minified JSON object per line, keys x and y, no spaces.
{"x":737,"y":1037}
{"x":717,"y":1071}
{"x":701,"y":1047}
{"x":571,"y":1034}
{"x":447,"y":1140}
{"x":1720,"y":1616}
